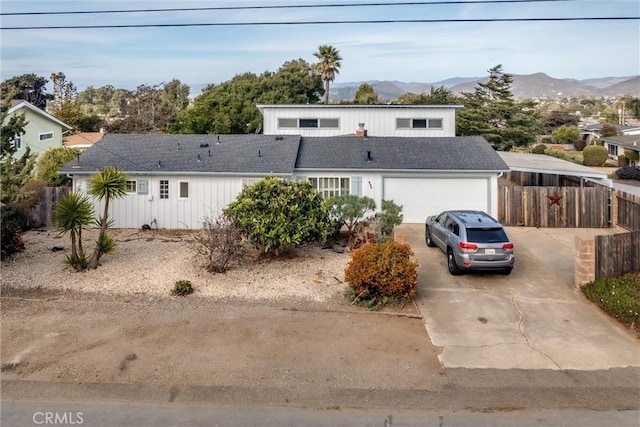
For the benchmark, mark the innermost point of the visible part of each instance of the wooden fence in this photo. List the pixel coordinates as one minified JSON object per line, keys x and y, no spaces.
{"x":567,"y":207}
{"x":42,"y":213}
{"x":628,"y":211}
{"x":617,"y":254}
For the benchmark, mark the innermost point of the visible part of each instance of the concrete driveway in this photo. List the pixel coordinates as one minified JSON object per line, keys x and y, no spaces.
{"x":533,"y":319}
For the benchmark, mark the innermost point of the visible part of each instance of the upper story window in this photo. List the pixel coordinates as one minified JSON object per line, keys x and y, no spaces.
{"x":45,"y":136}
{"x":419,"y":123}
{"x":17,"y":142}
{"x":309,"y":123}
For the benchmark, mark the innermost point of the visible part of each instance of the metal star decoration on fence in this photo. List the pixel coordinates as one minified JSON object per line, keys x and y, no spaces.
{"x":555,"y":199}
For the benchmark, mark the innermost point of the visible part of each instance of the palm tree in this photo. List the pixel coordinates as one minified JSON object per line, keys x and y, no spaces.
{"x":328,"y":66}
{"x":106,"y":185}
{"x":73,"y":212}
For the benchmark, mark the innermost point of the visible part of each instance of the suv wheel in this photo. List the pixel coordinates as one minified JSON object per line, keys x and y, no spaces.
{"x":428,"y":239}
{"x":451,"y":264}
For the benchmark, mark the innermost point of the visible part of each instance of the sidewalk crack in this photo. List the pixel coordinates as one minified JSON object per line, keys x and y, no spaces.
{"x":526,"y":338}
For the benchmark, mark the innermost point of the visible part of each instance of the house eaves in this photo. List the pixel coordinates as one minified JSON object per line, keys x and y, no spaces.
{"x":540,"y":163}
{"x":28,"y":105}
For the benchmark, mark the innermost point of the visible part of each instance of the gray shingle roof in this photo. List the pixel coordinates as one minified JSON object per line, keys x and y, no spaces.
{"x":249,"y":154}
{"x":395,"y":153}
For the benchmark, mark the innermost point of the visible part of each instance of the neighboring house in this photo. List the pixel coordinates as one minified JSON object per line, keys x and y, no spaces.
{"x":616,"y":145}
{"x":591,"y":132}
{"x":82,"y":140}
{"x":177,"y":180}
{"x":42,"y":131}
{"x":371,"y":120}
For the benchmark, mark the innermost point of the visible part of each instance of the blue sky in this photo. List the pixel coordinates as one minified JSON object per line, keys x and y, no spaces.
{"x":422,"y":52}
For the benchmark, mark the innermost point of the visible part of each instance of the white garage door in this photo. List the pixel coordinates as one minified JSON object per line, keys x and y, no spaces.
{"x":421,"y":197}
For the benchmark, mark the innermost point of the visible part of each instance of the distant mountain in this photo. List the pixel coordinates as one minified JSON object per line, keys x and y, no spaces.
{"x":537,"y":85}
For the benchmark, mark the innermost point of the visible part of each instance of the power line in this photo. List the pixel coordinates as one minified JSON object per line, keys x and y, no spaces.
{"x":382,"y":21}
{"x":299,"y":6}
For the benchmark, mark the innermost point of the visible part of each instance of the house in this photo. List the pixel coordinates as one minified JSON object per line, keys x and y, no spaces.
{"x":82,"y":140}
{"x":177,"y":180}
{"x":373,"y":120}
{"x":616,"y":145}
{"x":591,"y":132}
{"x":42,"y":131}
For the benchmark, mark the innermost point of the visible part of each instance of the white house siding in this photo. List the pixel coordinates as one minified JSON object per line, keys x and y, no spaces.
{"x":208,"y":195}
{"x":380,"y":121}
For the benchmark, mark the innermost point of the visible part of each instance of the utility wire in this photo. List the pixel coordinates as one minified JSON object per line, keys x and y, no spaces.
{"x":383,"y":21}
{"x":299,"y":6}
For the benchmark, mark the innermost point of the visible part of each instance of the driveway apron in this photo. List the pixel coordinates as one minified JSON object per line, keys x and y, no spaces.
{"x":533,"y":319}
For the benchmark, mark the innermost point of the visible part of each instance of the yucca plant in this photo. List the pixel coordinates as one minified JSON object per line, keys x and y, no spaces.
{"x":74,"y":212}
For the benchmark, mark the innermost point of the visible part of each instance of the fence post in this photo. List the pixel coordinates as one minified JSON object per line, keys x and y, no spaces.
{"x":585,"y":261}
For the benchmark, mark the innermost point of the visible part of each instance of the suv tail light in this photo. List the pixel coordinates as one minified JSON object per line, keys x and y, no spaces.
{"x":507,"y":246}
{"x":468,"y":246}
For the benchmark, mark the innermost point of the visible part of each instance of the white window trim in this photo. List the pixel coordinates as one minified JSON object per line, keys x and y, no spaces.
{"x":332,"y":190}
{"x":180,"y":197}
{"x":135,"y":187}
{"x":412,"y":126}
{"x":166,"y":190}
{"x":318,"y":120}
{"x":45,"y":133}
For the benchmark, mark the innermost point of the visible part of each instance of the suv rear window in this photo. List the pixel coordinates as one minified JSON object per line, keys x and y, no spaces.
{"x":486,"y":235}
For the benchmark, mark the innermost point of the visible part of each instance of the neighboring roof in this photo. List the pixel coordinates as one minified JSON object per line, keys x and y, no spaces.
{"x":162,"y":154}
{"x":82,"y":139}
{"x":540,"y":163}
{"x":28,"y":105}
{"x":356,"y":106}
{"x":399,"y":153}
{"x":598,"y":126}
{"x":631,"y":142}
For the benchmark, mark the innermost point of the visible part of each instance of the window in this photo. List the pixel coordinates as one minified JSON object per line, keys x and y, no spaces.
{"x":330,"y":187}
{"x":164,"y":189}
{"x":143,"y":186}
{"x":184,"y":190}
{"x":308,"y":123}
{"x":17,"y":142}
{"x":613,"y":149}
{"x":45,"y":136}
{"x":287,"y":123}
{"x":131,"y":187}
{"x":419,"y":123}
{"x":329,"y":123}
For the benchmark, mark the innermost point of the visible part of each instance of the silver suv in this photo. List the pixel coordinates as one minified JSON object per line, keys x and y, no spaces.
{"x":472,"y":240}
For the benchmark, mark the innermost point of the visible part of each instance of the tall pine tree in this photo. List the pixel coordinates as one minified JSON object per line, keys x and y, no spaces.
{"x":492,"y":112}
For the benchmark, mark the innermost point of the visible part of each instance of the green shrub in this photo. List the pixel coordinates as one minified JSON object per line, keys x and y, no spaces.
{"x":566,"y":134}
{"x":629,"y":172}
{"x":390,"y":216}
{"x":595,"y":155}
{"x":546,"y":140}
{"x":350,"y":209}
{"x":539,"y":149}
{"x":182,"y":288}
{"x":623,"y":161}
{"x":632,"y":155}
{"x":555,"y":152}
{"x":618,"y":296}
{"x":275,"y":214}
{"x":379,"y":270}
{"x":579,"y":145}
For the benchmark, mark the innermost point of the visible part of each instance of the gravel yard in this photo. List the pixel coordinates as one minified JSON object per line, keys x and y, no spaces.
{"x":150,"y":262}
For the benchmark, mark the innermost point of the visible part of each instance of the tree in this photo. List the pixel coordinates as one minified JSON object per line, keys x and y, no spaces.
{"x":633,"y":107}
{"x":50,"y":162}
{"x":608,"y":130}
{"x":106,"y":185}
{"x":275,"y":214}
{"x":557,"y":118}
{"x":565,"y":135}
{"x":64,"y":105}
{"x":492,"y":112}
{"x":349,"y":209}
{"x":328,"y":66}
{"x":230,"y":107}
{"x":15,"y":197}
{"x":30,"y":87}
{"x":436,"y":96}
{"x":74,"y":212}
{"x":366,"y":95}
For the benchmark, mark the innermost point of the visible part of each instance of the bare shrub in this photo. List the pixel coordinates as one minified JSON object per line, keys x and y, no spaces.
{"x":220,"y":242}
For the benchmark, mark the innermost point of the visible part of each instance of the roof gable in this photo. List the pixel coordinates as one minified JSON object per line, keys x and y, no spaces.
{"x":158,"y":154}
{"x":36,"y":110}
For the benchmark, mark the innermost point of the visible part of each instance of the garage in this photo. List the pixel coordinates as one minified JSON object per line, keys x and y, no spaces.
{"x":421,"y":197}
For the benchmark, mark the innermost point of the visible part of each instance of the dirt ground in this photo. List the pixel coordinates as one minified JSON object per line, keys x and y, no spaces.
{"x":282,"y":324}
